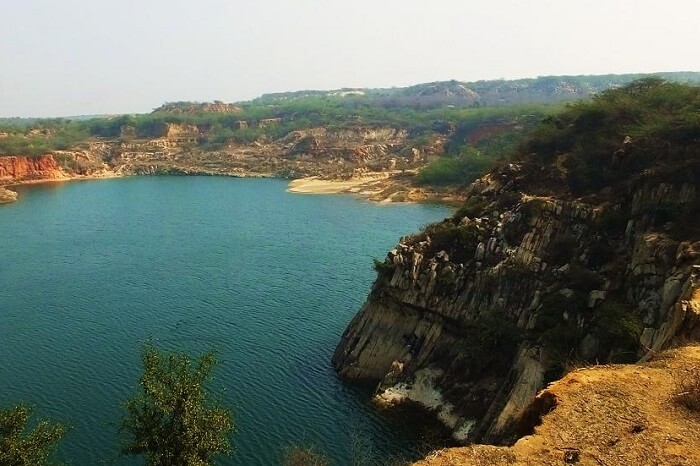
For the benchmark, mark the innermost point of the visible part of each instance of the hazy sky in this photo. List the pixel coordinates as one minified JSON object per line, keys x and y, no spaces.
{"x":69,"y":57}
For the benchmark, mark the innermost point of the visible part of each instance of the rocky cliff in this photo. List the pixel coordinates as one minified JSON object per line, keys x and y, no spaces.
{"x":14,"y":169}
{"x":543,"y":268}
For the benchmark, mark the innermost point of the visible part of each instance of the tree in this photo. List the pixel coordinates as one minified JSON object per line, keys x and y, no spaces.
{"x":20,"y":446}
{"x":172,"y":419}
{"x":298,"y":455}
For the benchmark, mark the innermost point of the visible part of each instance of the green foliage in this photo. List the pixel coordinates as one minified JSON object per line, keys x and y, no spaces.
{"x":459,"y":241}
{"x":474,"y":206}
{"x":384,"y":267}
{"x":619,"y":131}
{"x":21,"y":445}
{"x":559,"y":335}
{"x":496,"y":331}
{"x":613,"y":223}
{"x":462,"y":169}
{"x":561,"y":341}
{"x":618,"y":325}
{"x":172,"y":419}
{"x":562,"y":249}
{"x":551,"y":312}
{"x":583,"y":279}
{"x":35,"y":142}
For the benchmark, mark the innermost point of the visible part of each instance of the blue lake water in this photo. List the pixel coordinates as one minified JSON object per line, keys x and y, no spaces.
{"x":90,"y":271}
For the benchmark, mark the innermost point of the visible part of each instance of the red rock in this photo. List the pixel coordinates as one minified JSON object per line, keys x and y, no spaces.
{"x":28,"y":168}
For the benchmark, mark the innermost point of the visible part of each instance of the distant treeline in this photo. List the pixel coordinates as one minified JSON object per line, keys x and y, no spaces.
{"x":422,"y":110}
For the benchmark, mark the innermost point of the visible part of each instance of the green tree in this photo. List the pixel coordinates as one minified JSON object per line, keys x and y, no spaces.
{"x":22,"y":446}
{"x":172,"y":419}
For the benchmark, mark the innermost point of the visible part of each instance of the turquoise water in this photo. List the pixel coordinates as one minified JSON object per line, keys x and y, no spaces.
{"x":92,"y":270}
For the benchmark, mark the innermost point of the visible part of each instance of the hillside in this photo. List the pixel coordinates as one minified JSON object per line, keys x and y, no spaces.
{"x":451,"y":132}
{"x":584,"y":248}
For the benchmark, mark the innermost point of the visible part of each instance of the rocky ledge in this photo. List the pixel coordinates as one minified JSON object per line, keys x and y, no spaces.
{"x":584,"y":249}
{"x":474,"y":315}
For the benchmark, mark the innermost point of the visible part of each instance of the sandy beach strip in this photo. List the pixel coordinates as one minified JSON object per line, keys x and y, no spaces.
{"x":316,"y":185}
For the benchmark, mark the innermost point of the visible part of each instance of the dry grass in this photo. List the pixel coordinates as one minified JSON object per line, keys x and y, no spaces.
{"x":615,"y":415}
{"x":688,"y":388}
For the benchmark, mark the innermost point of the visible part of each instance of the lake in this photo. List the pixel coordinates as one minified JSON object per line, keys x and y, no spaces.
{"x":92,"y":270}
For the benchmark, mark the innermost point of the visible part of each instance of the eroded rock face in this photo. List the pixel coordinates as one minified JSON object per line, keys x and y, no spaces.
{"x":503,"y":297}
{"x":14,"y":169}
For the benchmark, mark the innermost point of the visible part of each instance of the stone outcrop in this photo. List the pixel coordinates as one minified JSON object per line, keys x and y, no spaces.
{"x":7,"y":196}
{"x":502,"y":298}
{"x":15,"y":169}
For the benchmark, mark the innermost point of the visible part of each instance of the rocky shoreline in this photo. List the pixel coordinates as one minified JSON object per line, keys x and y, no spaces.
{"x":383,"y":187}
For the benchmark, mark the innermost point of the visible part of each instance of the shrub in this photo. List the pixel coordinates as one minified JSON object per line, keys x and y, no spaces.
{"x":297,"y":455}
{"x":458,"y":240}
{"x":474,"y":206}
{"x":562,"y":249}
{"x":583,"y":279}
{"x":172,"y":420}
{"x":385,"y":267}
{"x":461,"y":169}
{"x":618,"y":325}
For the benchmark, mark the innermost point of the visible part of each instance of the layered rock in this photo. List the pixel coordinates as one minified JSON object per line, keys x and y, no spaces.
{"x":15,"y":169}
{"x":502,"y":298}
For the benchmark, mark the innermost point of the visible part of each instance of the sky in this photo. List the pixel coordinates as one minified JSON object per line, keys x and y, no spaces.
{"x":76,"y":57}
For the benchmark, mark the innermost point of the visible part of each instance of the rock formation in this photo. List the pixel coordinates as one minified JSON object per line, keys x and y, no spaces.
{"x":537,"y":272}
{"x":14,"y":169}
{"x":497,"y":301}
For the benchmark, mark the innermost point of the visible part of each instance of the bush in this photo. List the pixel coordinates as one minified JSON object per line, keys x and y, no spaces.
{"x":458,"y":170}
{"x":562,"y":249}
{"x":172,"y":419}
{"x":459,"y":241}
{"x":660,"y":119}
{"x":583,"y":279}
{"x":473,"y":207}
{"x":618,"y":325}
{"x":297,"y":455}
{"x":384,"y":268}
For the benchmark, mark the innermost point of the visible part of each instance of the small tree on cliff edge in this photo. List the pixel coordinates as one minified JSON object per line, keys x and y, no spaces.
{"x":171,"y":419}
{"x":21,"y":446}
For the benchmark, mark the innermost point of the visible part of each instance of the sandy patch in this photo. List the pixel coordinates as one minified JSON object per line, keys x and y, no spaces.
{"x":315,"y":185}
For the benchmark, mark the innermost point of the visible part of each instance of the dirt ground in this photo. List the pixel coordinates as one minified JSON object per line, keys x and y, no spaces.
{"x":606,"y":415}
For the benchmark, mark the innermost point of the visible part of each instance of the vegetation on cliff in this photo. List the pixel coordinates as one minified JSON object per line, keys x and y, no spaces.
{"x":646,"y":124}
{"x":486,"y":116}
{"x":584,"y":242}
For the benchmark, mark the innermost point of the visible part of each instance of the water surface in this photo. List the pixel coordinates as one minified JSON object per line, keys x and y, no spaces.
{"x":92,"y":270}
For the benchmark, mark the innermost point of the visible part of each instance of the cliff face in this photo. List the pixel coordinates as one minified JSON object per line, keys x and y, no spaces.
{"x":585,"y":250}
{"x":14,"y":169}
{"x":484,"y":309}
